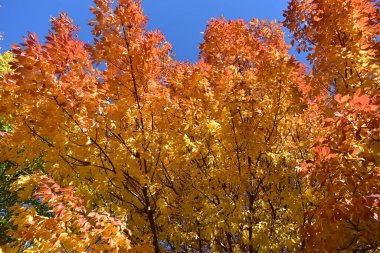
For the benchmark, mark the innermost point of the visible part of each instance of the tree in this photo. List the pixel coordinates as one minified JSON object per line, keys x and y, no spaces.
{"x":243,"y":151}
{"x":341,"y":38}
{"x":70,"y":228}
{"x":5,"y":59}
{"x":8,"y":198}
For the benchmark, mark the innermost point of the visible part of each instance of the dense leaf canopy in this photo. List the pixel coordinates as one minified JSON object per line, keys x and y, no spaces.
{"x":246,"y":150}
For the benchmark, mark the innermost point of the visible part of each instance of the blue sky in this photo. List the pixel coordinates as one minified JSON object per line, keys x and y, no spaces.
{"x":181,"y":21}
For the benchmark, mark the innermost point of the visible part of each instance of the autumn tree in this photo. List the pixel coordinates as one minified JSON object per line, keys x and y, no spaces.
{"x":7,"y":197}
{"x":341,"y":39}
{"x":244,"y":151}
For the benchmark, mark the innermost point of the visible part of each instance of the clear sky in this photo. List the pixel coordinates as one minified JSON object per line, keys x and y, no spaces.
{"x":181,"y":21}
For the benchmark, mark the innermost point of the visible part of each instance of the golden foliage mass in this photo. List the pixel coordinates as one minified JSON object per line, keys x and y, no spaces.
{"x":244,"y":151}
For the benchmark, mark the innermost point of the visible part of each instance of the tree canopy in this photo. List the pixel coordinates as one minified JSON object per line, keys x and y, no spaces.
{"x":116,"y":146}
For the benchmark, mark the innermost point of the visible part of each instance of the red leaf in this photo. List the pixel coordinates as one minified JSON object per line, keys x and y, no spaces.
{"x":66,"y":189}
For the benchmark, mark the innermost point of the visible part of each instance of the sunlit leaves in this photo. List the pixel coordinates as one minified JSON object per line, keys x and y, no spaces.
{"x":243,"y":151}
{"x":69,"y":226}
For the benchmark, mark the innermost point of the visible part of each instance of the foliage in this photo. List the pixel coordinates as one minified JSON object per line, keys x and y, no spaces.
{"x":7,"y":197}
{"x":244,"y":151}
{"x":12,"y":195}
{"x":5,"y":60}
{"x":69,"y":228}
